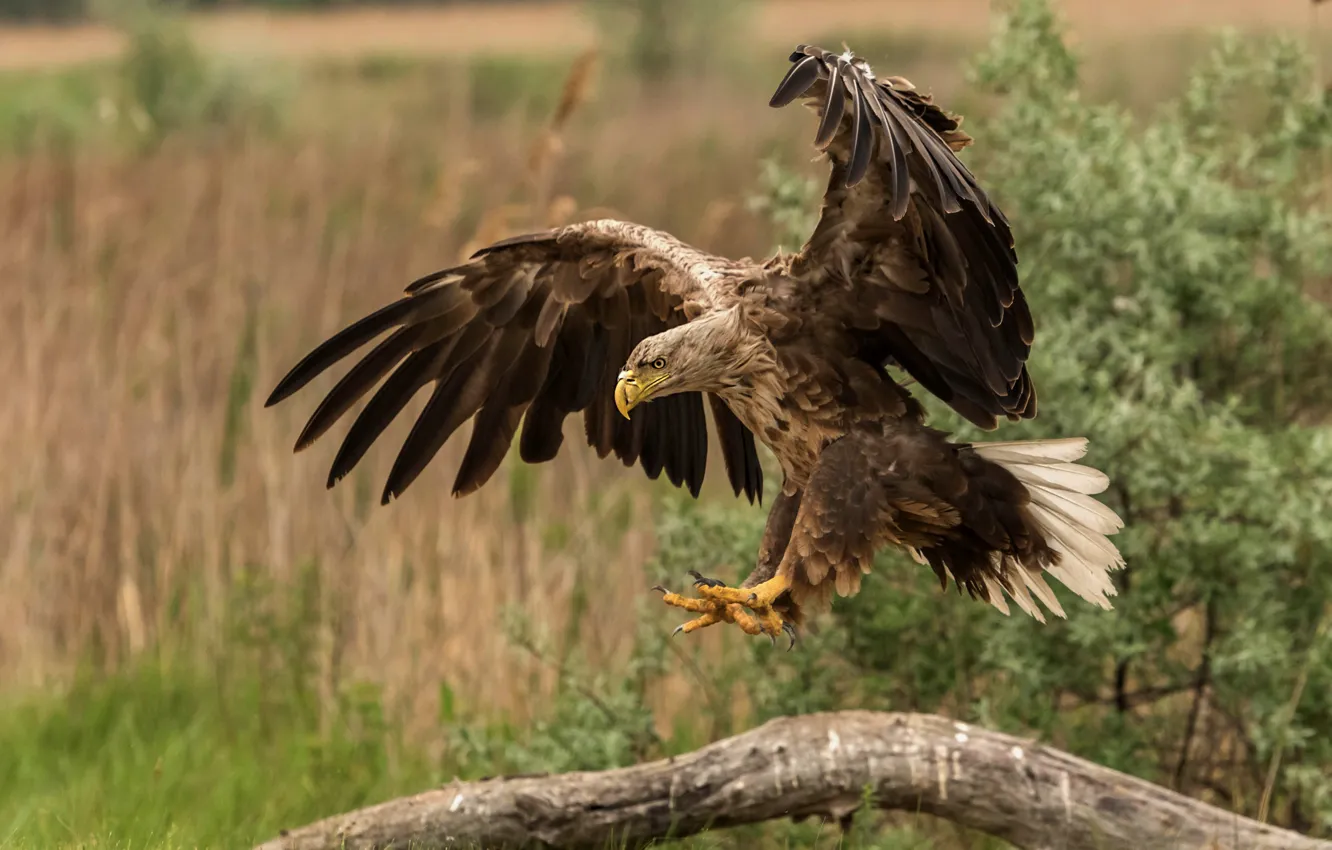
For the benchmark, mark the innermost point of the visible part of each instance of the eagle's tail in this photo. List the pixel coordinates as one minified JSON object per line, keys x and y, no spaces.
{"x":1075,"y":527}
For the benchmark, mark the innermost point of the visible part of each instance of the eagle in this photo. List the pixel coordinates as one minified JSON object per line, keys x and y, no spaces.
{"x":910,"y":266}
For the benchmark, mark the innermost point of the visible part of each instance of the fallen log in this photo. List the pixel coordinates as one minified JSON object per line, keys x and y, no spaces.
{"x":1030,"y":795}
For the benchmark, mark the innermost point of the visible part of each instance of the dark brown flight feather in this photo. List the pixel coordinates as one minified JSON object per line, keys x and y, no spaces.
{"x":906,"y":226}
{"x":530,"y":330}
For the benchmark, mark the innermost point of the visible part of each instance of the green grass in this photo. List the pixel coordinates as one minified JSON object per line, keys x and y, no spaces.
{"x":36,"y":105}
{"x":162,"y":756}
{"x":168,"y":758}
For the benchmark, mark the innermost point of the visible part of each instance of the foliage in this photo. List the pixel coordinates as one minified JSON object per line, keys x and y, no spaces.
{"x":176,"y":754}
{"x":61,"y":10}
{"x":162,"y":85}
{"x":660,"y":39}
{"x":167,"y":84}
{"x":1167,"y":263}
{"x":1167,"y":266}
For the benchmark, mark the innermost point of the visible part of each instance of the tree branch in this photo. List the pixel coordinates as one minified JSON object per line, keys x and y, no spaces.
{"x":1202,"y":679}
{"x":820,"y":764}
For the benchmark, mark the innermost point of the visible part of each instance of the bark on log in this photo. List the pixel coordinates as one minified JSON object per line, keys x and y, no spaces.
{"x":1033,"y":796}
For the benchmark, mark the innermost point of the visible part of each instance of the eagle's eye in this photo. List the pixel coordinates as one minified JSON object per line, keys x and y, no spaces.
{"x":659,"y":363}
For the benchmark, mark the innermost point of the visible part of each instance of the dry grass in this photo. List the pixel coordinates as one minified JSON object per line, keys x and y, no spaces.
{"x":542,"y":27}
{"x":150,"y":304}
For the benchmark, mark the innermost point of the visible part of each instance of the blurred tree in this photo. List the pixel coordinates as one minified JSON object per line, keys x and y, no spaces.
{"x":661,"y":39}
{"x":51,"y":10}
{"x":59,"y":10}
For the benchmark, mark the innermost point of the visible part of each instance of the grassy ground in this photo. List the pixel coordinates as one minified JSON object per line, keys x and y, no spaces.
{"x":165,"y":757}
{"x":199,"y":644}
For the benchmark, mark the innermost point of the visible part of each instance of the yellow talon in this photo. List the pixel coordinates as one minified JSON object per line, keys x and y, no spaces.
{"x":717,"y":603}
{"x":756,"y":598}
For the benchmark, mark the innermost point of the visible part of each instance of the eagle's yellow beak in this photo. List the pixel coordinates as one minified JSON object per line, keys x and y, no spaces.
{"x":627,"y":392}
{"x":631,"y":391}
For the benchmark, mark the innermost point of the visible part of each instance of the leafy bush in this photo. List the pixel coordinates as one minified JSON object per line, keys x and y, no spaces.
{"x":1167,"y":266}
{"x":163,"y":84}
{"x":167,"y":84}
{"x":660,"y":39}
{"x":59,"y":10}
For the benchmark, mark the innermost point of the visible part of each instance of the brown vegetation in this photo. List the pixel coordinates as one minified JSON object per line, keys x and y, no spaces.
{"x":150,"y":304}
{"x":543,"y":27}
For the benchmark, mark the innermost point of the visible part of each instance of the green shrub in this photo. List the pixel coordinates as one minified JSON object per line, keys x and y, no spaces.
{"x":661,"y":39}
{"x":1167,"y":265}
{"x":163,"y":84}
{"x":167,"y":84}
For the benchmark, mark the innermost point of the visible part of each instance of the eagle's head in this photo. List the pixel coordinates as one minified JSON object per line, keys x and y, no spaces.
{"x":707,"y":354}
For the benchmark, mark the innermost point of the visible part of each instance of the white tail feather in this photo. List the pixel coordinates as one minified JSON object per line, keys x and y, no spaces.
{"x":1074,"y":524}
{"x":1066,"y":450}
{"x":1086,"y":510}
{"x":1066,"y":476}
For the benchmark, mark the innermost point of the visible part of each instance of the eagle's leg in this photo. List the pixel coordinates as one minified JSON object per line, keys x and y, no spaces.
{"x":711,"y":612}
{"x":721,"y":604}
{"x":759,"y":598}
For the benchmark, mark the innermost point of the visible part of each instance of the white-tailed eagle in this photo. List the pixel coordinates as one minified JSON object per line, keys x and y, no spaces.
{"x":911,"y":265}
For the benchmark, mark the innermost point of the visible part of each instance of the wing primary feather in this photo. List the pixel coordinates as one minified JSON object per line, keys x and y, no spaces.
{"x":339,"y":345}
{"x":901,"y":173}
{"x":797,"y":81}
{"x":862,"y":140}
{"x":920,"y":138}
{"x":592,"y":368}
{"x":698,"y":443}
{"x":672,"y":421}
{"x":497,"y":422}
{"x":728,"y":435}
{"x":899,"y":176}
{"x":413,"y":374}
{"x":357,"y":382}
{"x":652,"y":457}
{"x":753,"y":469}
{"x":834,"y":106}
{"x":454,"y":401}
{"x":429,"y":433}
{"x":545,"y":237}
{"x":543,"y":432}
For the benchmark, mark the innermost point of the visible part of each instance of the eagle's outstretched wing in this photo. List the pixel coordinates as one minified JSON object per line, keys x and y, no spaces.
{"x":529,"y":330}
{"x":910,"y":254}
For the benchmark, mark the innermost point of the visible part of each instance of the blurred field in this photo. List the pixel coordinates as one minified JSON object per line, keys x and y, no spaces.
{"x":153,"y":295}
{"x":157,"y":299}
{"x":541,"y":28}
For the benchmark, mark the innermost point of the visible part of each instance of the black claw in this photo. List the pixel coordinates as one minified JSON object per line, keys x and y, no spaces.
{"x":702,"y":581}
{"x":678,"y":629}
{"x":663,"y":591}
{"x":772,"y":639}
{"x":791,"y":632}
{"x":753,"y":597}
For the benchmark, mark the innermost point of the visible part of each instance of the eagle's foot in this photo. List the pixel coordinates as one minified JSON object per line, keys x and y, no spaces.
{"x":717,"y":603}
